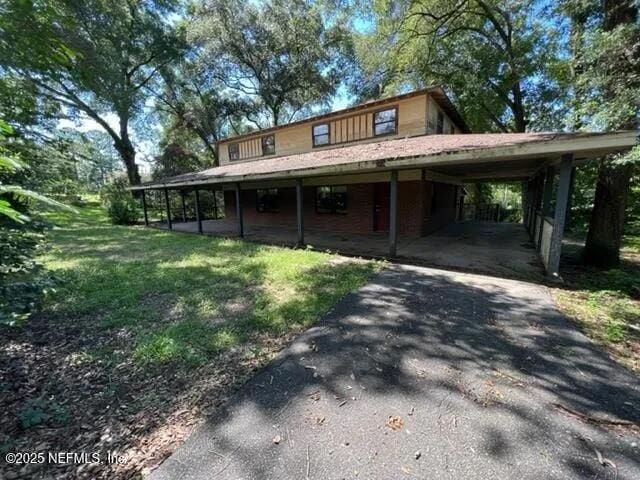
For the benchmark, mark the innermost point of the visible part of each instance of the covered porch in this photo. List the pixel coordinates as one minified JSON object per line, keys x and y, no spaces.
{"x":542,"y":162}
{"x":501,"y":249}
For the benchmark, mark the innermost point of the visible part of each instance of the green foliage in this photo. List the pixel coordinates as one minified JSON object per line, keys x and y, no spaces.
{"x":22,"y":280}
{"x":278,"y":54}
{"x":92,"y":58}
{"x":122,"y":207}
{"x":175,"y":160}
{"x":499,"y":59}
{"x":40,"y":411}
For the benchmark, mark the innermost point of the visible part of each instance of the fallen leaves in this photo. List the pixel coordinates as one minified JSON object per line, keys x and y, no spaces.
{"x":395,"y":423}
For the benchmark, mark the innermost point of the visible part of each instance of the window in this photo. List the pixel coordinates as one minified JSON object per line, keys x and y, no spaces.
{"x":331,"y":199}
{"x":440,"y":125}
{"x":267,"y":200}
{"x":268,"y":145}
{"x":234,"y":151}
{"x":384,"y":121}
{"x":321,"y":134}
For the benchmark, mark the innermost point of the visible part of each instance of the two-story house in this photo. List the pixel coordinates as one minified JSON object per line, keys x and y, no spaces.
{"x":383,"y":169}
{"x":351,"y":203}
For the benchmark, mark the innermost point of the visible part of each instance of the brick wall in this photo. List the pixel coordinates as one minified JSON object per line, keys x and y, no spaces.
{"x":358,"y":219}
{"x":445,"y":198}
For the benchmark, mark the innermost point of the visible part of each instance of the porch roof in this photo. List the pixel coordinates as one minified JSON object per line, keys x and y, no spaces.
{"x":467,"y":157}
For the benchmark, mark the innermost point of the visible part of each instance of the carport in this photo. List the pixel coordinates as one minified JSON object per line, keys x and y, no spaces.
{"x":536,"y":160}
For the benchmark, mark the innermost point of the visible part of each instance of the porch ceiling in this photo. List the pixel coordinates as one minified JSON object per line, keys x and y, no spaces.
{"x":466,"y":156}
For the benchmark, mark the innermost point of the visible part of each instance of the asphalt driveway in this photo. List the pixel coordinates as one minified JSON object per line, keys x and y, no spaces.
{"x":428,"y":374}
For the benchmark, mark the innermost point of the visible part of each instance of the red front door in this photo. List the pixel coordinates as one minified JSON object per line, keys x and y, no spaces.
{"x":381,"y":207}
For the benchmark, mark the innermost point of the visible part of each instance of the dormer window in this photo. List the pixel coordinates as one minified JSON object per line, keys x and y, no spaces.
{"x":321,"y":134}
{"x":268,"y":145}
{"x":234,"y":151}
{"x":385,"y":122}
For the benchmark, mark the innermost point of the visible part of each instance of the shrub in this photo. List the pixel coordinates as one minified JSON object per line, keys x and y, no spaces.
{"x":122,"y":207}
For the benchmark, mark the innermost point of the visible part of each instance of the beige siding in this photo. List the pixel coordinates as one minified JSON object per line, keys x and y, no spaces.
{"x":432,"y":119}
{"x":412,"y":117}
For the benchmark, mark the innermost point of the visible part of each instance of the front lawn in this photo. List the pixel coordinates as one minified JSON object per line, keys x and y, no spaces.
{"x":148,"y":332}
{"x":606,"y":304}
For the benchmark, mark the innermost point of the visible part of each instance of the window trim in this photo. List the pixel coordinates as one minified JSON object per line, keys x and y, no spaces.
{"x":277,"y":195}
{"x":262,"y":139}
{"x":237,"y":147}
{"x":333,"y":207}
{"x":328,"y":134}
{"x":373,"y":121}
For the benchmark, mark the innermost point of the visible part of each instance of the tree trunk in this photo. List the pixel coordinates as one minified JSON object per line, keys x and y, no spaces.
{"x":127,"y":152}
{"x":602,"y":247}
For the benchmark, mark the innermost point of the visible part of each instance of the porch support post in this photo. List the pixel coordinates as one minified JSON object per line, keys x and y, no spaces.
{"x":239,"y":211}
{"x":562,"y":200}
{"x":393,"y":214}
{"x":184,"y":206}
{"x":300,"y":211}
{"x":144,"y":208}
{"x":198,"y":212}
{"x":547,"y":193}
{"x":166,"y":201}
{"x":215,"y":204}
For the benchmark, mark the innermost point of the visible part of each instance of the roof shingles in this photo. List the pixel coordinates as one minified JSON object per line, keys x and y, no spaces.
{"x":419,"y":146}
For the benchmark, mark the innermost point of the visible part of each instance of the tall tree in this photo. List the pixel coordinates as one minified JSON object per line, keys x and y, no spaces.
{"x":276,"y":53}
{"x":610,"y":70}
{"x":192,"y":99}
{"x":493,"y":55}
{"x":92,"y":57}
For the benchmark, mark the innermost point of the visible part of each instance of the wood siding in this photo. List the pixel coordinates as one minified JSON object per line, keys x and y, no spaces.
{"x":414,"y":116}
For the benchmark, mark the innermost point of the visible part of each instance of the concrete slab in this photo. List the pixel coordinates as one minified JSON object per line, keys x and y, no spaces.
{"x":424,"y":374}
{"x":501,"y":249}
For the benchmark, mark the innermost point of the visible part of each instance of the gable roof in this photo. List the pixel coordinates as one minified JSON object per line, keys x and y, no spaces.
{"x":412,"y":152}
{"x":437,"y":92}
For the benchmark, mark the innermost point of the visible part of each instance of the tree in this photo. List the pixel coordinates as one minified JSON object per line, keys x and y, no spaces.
{"x":494,"y":56}
{"x":175,"y":160}
{"x":277,"y":54}
{"x":92,"y":57}
{"x":194,"y":100}
{"x":609,"y":85}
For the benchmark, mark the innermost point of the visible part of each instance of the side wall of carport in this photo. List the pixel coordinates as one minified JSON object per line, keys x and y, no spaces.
{"x":545,"y":219}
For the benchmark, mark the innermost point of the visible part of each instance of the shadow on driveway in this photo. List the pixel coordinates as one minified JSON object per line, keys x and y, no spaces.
{"x":486,"y":377}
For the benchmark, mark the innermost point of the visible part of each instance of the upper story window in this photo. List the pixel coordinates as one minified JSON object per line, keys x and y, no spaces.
{"x":267,"y":200}
{"x":321,"y":134}
{"x":331,"y":199}
{"x":268,"y":145}
{"x":234,"y":151}
{"x":385,"y":122}
{"x":440,"y":124}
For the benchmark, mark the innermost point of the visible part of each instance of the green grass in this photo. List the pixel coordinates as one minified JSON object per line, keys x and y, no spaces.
{"x":185,"y":298}
{"x":607,"y":303}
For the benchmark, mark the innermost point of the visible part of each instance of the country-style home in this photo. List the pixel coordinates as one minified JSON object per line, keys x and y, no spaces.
{"x":391,"y":168}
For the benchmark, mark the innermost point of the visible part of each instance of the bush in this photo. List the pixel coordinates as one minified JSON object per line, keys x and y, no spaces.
{"x":122,"y":207}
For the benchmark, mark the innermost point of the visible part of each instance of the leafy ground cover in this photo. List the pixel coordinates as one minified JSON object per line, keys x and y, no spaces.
{"x":147,"y":332}
{"x":606,"y":304}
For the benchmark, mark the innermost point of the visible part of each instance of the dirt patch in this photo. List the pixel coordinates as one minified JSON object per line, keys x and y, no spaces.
{"x":57,"y":396}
